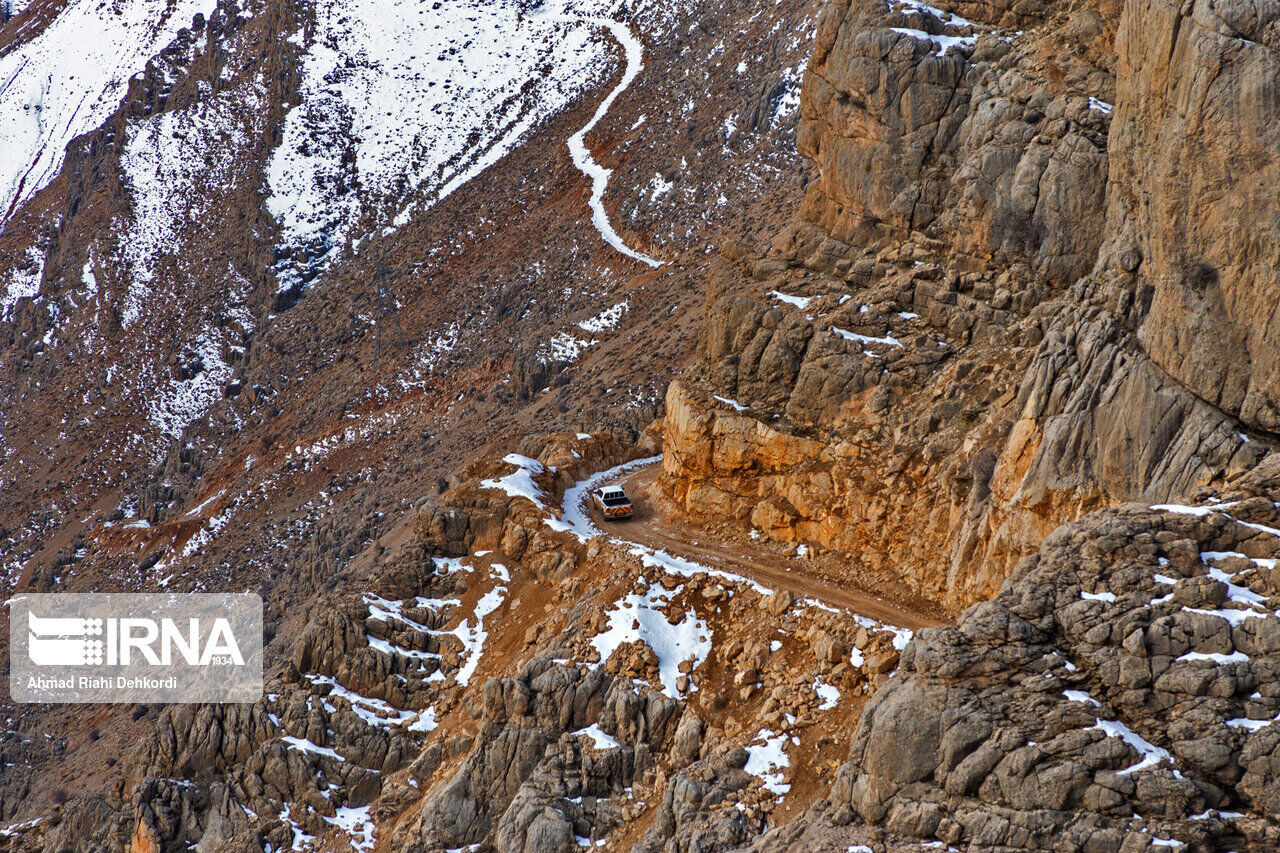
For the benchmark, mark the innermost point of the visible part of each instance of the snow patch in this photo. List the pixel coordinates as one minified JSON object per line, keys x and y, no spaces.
{"x":642,"y":618}
{"x":737,"y":407}
{"x":303,"y":745}
{"x":520,"y":483}
{"x":658,"y":186}
{"x":355,"y":822}
{"x":22,"y":284}
{"x":887,"y":340}
{"x":1218,"y":658}
{"x":426,"y":721}
{"x":943,"y":42}
{"x":563,"y":347}
{"x":1081,"y":696}
{"x":599,"y":737}
{"x":801,"y":302}
{"x":301,"y":840}
{"x":828,"y":693}
{"x":767,"y":760}
{"x":1250,"y":725}
{"x":605,"y":320}
{"x":1183,"y":509}
{"x":1151,"y":755}
{"x":182,"y":401}
{"x":473,"y":637}
{"x":1235,"y":617}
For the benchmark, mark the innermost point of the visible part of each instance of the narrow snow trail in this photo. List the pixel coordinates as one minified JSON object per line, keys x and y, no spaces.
{"x":582,"y":158}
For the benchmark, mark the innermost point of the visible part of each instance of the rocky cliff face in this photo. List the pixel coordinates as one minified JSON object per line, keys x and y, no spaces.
{"x":967,"y":365}
{"x":1116,"y":695}
{"x":1194,"y":150}
{"x":937,"y":124}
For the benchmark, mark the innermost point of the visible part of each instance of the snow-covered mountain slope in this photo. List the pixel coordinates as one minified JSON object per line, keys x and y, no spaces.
{"x":173,"y":162}
{"x":68,"y":79}
{"x":402,"y":103}
{"x":146,"y":341}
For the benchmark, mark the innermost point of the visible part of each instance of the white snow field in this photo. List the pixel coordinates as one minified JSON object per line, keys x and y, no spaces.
{"x":69,"y":79}
{"x":403,"y":103}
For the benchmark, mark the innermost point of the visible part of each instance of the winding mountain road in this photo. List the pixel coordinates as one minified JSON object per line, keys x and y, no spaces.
{"x":582,"y":158}
{"x":655,"y":530}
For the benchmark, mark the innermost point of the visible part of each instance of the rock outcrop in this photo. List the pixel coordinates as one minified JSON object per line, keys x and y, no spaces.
{"x":1120,"y":689}
{"x":534,"y":779}
{"x":956,"y":349}
{"x":1194,"y":156}
{"x":995,"y":147}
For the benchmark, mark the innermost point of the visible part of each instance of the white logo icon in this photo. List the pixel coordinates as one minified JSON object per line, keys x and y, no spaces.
{"x":64,"y":641}
{"x":135,"y":647}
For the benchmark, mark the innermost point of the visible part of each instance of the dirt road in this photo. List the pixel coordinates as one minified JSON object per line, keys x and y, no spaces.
{"x":764,"y":562}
